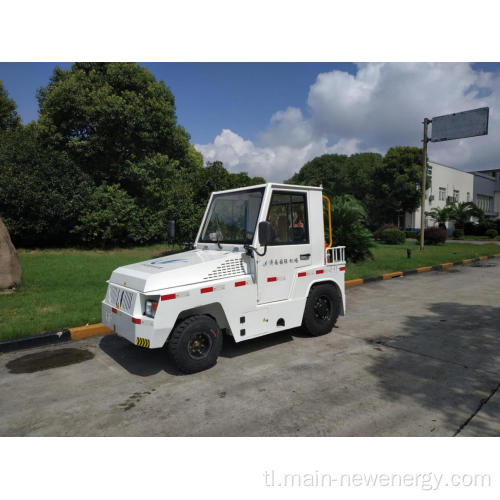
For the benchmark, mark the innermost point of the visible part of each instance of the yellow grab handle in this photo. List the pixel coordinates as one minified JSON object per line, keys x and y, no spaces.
{"x":328,"y":245}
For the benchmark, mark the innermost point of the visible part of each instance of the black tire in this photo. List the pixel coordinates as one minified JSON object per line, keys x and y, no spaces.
{"x":195,"y":344}
{"x":323,"y":307}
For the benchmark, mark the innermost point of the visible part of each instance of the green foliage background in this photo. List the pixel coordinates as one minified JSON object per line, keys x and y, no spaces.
{"x":387,"y":186}
{"x":105,"y":164}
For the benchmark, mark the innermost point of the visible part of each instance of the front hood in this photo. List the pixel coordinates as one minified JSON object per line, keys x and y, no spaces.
{"x":180,"y":269}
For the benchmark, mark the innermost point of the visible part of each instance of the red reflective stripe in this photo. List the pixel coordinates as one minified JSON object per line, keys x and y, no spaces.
{"x":342,"y":268}
{"x":170,"y":296}
{"x":302,"y":274}
{"x":319,"y":271}
{"x":206,"y":290}
{"x":114,"y":310}
{"x":272,"y":278}
{"x":240,"y":283}
{"x":137,"y":321}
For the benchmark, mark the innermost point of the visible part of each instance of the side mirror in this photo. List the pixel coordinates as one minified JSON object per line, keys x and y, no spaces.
{"x":265,"y":233}
{"x":171,"y":229}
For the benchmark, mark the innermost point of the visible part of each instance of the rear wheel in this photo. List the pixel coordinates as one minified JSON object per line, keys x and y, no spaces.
{"x":195,"y":344}
{"x":322,"y":309}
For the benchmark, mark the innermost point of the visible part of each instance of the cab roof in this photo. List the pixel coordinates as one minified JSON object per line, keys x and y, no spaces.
{"x":295,"y":187}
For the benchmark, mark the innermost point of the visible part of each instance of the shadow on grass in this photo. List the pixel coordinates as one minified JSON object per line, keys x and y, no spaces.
{"x":442,"y":359}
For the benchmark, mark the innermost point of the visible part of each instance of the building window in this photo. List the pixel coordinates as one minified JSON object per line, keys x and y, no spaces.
{"x":485,"y":203}
{"x":456,"y":195}
{"x":442,"y":194}
{"x":468,"y":196}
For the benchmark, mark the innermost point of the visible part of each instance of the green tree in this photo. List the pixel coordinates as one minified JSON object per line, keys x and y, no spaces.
{"x":41,"y":191}
{"x":103,"y":114}
{"x":110,"y":218}
{"x":328,"y":170}
{"x":8,"y":115}
{"x":396,"y":185}
{"x":341,"y":174}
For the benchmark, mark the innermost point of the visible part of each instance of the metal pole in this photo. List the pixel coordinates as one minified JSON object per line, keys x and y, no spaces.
{"x":424,"y":173}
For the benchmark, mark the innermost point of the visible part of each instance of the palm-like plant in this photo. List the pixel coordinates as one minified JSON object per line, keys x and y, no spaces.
{"x":461,"y":212}
{"x":439,"y":215}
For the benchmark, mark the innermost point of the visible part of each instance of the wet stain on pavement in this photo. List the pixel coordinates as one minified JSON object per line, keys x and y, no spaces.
{"x":133,"y":399}
{"x":45,"y":360}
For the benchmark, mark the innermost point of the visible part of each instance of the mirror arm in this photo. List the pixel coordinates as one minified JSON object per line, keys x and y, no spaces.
{"x":251,"y":249}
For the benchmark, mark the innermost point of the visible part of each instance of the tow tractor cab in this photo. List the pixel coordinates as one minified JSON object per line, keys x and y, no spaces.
{"x":260,"y":264}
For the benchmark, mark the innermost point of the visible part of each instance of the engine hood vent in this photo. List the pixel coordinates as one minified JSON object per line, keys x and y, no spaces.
{"x":228,"y":268}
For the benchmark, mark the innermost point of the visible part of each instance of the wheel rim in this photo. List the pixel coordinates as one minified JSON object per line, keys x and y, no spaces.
{"x":323,"y":308}
{"x":199,"y":345}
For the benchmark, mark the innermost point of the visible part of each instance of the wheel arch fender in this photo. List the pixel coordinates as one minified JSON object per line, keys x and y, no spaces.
{"x":333,"y":282}
{"x":214,"y":310}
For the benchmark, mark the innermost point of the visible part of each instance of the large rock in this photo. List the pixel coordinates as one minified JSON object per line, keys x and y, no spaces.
{"x":10,"y":267}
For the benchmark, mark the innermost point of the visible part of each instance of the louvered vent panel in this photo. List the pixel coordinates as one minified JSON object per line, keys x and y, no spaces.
{"x":232,"y":267}
{"x":123,"y":298}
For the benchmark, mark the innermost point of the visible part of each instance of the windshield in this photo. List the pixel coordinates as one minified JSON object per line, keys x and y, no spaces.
{"x":232,"y":217}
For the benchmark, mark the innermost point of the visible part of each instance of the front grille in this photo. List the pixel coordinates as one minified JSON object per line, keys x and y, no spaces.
{"x":120,"y":298}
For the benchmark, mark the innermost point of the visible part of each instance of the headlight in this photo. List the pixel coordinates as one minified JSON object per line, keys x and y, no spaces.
{"x":151,"y":306}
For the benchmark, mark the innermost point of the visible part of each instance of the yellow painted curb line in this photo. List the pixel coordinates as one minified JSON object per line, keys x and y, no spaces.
{"x":484,"y":257}
{"x":424,"y":269}
{"x":497,"y":255}
{"x":356,"y":282}
{"x":467,"y":261}
{"x":82,"y":332}
{"x":446,"y":265}
{"x":388,"y":276}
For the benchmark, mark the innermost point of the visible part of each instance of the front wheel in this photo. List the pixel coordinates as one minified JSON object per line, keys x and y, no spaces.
{"x":322,"y":309}
{"x":195,"y":343}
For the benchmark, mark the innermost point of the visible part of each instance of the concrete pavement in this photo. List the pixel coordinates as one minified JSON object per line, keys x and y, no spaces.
{"x":415,"y":356}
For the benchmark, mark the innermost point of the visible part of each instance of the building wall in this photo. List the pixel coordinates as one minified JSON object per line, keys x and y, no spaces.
{"x":487,"y":192}
{"x":446,"y":183}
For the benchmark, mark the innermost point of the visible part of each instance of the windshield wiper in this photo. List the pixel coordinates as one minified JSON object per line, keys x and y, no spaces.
{"x":217,"y":231}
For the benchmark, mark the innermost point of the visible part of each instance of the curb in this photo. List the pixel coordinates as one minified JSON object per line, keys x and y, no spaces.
{"x":83,"y":332}
{"x":425,"y":269}
{"x":55,"y":337}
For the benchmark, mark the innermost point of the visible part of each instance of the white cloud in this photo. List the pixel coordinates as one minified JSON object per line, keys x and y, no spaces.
{"x":276,"y":162}
{"x":381,"y":106}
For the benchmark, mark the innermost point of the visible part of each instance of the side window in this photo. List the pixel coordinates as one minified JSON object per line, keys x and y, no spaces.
{"x":288,"y":217}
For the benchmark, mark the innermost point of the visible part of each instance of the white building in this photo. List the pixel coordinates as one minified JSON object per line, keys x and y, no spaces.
{"x":487,"y":191}
{"x":446,"y":184}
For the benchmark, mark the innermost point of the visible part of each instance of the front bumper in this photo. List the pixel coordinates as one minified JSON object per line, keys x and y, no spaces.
{"x":121,"y":323}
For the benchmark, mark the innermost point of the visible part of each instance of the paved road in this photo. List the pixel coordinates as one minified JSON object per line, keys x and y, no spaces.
{"x":415,"y":356}
{"x":475,"y":242}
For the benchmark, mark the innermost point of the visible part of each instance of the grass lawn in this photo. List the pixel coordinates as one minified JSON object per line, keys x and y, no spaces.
{"x":470,"y":237}
{"x":387,"y":258}
{"x":64,"y":288}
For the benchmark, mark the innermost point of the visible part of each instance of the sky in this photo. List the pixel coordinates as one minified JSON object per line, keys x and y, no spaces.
{"x":270,"y":118}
